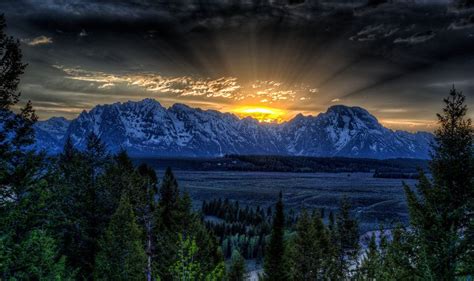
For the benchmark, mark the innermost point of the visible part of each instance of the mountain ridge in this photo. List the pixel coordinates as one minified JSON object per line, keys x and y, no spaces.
{"x":146,"y":128}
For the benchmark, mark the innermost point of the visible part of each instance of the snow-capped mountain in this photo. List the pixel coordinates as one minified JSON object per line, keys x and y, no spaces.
{"x":50,"y":134}
{"x":351,"y":131}
{"x":148,"y":128}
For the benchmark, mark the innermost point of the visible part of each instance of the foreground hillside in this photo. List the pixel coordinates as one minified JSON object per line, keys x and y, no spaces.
{"x":147,"y":128}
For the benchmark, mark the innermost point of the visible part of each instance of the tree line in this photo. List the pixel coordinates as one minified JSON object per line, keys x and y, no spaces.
{"x":238,"y":229}
{"x":309,"y":164}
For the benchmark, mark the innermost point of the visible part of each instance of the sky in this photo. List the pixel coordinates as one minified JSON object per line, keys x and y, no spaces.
{"x":268,"y":59}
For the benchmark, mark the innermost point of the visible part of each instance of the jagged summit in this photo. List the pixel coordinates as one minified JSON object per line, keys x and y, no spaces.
{"x":340,"y":108}
{"x":352,"y":111}
{"x":147,"y":128}
{"x":352,"y":118}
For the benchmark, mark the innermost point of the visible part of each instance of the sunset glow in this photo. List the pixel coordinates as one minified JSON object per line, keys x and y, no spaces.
{"x":262,"y":114}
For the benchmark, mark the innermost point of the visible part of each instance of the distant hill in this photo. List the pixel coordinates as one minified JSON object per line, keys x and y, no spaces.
{"x":146,"y":128}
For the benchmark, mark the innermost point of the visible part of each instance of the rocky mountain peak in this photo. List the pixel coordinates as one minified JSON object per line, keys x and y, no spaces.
{"x":147,"y":128}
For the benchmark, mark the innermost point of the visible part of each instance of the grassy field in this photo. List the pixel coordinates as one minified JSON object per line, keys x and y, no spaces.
{"x":375,"y":200}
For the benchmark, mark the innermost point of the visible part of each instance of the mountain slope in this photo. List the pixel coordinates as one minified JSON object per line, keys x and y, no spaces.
{"x":351,"y":131}
{"x":146,"y":128}
{"x":50,"y":134}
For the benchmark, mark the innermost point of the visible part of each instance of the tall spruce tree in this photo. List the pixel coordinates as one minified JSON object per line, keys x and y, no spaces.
{"x":147,"y":209}
{"x":139,"y":185}
{"x":323,"y":244}
{"x":275,"y":264}
{"x":26,"y":252}
{"x":310,"y":252}
{"x":237,"y":270}
{"x":169,"y":200}
{"x":20,"y":166}
{"x":121,"y":178}
{"x":186,"y":266}
{"x":305,"y":253}
{"x":174,"y":218}
{"x":68,"y":206}
{"x":93,"y":201}
{"x":34,"y":258}
{"x":371,"y":264}
{"x":399,"y":259}
{"x":167,"y":225}
{"x":441,"y":209}
{"x":12,"y":66}
{"x":83,"y":204}
{"x":345,"y":243}
{"x":121,"y":255}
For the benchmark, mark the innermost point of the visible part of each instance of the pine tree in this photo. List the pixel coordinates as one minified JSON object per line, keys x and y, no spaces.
{"x":93,"y":200}
{"x":169,"y":200}
{"x":68,"y":208}
{"x":371,"y":263}
{"x":209,"y":253}
{"x":139,"y":185}
{"x":96,"y":156}
{"x":441,"y":209}
{"x":168,"y":229}
{"x":237,"y":271}
{"x":121,"y":178}
{"x":67,"y":160}
{"x":400,"y":258}
{"x":82,"y":205}
{"x":147,"y":209}
{"x":323,"y":245}
{"x":310,"y":251}
{"x":188,"y":266}
{"x":331,"y":221}
{"x":274,"y":266}
{"x":121,"y":255}
{"x":174,"y":218}
{"x":12,"y":67}
{"x":217,"y":274}
{"x":304,"y":250}
{"x":345,"y":243}
{"x":24,"y":192}
{"x":34,"y":258}
{"x":19,"y":164}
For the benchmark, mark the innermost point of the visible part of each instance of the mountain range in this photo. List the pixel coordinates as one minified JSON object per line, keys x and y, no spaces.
{"x":146,"y":128}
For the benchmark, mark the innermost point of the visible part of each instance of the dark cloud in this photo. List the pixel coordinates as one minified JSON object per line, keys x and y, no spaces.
{"x":392,"y":58}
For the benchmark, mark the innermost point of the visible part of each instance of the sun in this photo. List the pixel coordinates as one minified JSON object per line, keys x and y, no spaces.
{"x":262,"y":114}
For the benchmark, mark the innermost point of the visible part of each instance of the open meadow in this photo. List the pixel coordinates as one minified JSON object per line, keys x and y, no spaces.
{"x":374,"y":200}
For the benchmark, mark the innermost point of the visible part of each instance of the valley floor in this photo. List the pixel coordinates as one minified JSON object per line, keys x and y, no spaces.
{"x":374,"y":200}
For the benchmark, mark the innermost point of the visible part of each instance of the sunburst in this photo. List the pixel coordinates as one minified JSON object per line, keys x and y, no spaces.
{"x":262,"y":114}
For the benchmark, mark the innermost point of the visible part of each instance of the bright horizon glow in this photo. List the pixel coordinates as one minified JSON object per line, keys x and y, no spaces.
{"x":262,"y":114}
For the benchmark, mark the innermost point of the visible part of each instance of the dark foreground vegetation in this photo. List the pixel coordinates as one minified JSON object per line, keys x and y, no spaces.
{"x":89,"y":215}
